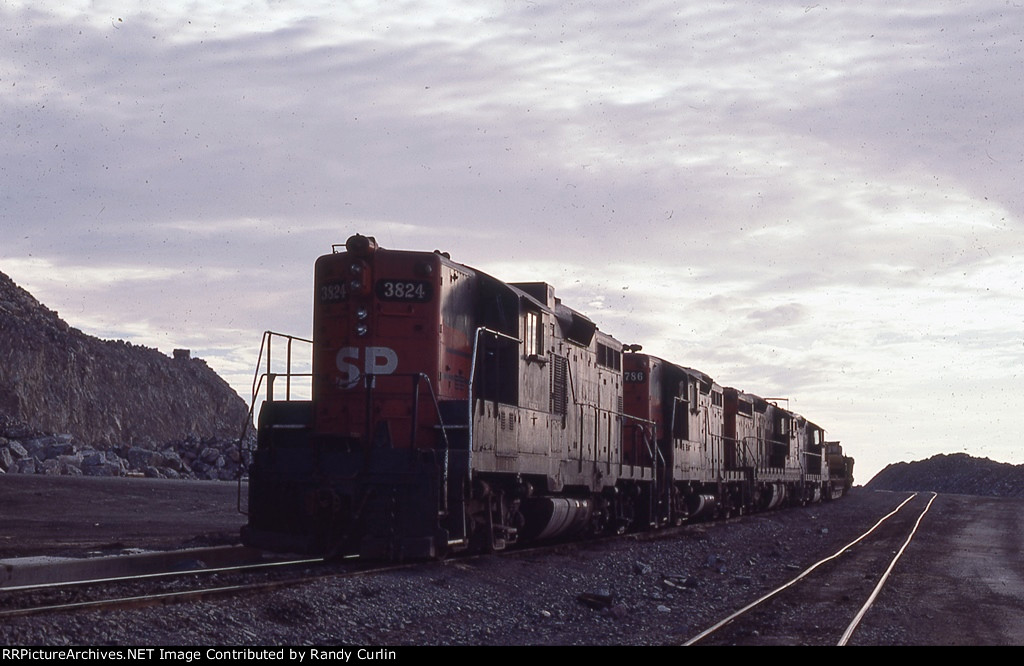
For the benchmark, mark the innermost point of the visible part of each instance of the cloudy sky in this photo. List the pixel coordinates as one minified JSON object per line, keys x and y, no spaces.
{"x":817,"y":201}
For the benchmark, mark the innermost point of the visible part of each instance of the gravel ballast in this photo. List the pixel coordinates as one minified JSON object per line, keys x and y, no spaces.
{"x":631,"y":591}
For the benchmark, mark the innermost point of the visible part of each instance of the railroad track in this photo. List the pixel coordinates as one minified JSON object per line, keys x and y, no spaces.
{"x":183,"y":586}
{"x":483,"y":600}
{"x":149,"y":587}
{"x":825,"y":603}
{"x":153,"y":587}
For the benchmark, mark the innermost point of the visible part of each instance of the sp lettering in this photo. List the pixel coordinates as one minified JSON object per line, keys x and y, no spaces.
{"x":353,"y":362}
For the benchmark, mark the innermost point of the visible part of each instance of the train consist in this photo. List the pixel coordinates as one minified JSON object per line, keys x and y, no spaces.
{"x":451,"y":411}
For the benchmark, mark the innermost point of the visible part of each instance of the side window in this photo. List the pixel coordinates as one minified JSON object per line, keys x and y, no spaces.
{"x":533,"y":334}
{"x":608,"y":357}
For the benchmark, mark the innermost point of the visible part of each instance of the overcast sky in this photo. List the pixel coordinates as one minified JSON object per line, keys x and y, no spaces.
{"x":817,"y":201}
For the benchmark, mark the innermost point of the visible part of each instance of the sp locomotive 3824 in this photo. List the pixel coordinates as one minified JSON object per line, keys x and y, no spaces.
{"x":452,"y":411}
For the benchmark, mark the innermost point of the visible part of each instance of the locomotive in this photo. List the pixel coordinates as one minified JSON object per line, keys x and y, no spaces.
{"x":451,"y":411}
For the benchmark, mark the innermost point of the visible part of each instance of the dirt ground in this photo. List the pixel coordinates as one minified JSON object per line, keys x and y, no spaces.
{"x":72,"y":515}
{"x":962,"y":580}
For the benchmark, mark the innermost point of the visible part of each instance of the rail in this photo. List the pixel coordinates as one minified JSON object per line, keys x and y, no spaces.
{"x":267,"y":345}
{"x":842,"y":551}
{"x":661,"y":474}
{"x":748,"y":449}
{"x":654,"y":454}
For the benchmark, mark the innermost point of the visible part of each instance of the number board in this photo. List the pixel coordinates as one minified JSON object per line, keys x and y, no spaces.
{"x":333,"y":292}
{"x":410,"y":291}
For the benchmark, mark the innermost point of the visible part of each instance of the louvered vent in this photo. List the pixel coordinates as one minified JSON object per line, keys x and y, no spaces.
{"x":559,"y":385}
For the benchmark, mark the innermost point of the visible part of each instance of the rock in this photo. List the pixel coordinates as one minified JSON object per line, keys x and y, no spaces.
{"x":36,"y":446}
{"x":713,"y":561}
{"x":598,"y":599}
{"x":172,"y":460}
{"x":140,"y":458}
{"x":681,"y":582}
{"x":102,"y":469}
{"x":71,"y":461}
{"x":51,"y":467}
{"x":60,"y":448}
{"x":618,"y":611}
{"x":62,"y":454}
{"x":956,"y":473}
{"x":56,"y":379}
{"x":17,"y":450}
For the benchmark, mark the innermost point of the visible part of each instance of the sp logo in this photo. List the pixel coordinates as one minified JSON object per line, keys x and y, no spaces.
{"x":375,"y":361}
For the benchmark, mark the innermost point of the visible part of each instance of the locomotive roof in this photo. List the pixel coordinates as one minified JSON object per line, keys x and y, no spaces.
{"x":703,"y":377}
{"x":575,"y":325}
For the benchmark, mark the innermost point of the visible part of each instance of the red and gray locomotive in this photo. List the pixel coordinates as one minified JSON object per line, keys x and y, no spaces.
{"x":451,"y":411}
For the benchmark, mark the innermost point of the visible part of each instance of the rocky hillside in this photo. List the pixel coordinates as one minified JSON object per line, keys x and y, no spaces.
{"x":99,"y":395}
{"x":956,"y":473}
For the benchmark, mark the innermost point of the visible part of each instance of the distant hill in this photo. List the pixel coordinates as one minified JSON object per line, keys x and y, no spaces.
{"x":103,"y":394}
{"x":956,"y":473}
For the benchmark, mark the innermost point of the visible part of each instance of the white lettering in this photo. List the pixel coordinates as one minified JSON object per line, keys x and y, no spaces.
{"x":342,"y":655}
{"x":378,"y":361}
{"x":381,"y":360}
{"x":349,"y":371}
{"x":364,"y":654}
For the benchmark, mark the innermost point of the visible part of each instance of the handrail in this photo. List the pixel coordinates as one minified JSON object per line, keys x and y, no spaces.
{"x":266,"y":343}
{"x":750,"y":456}
{"x":656,"y":456}
{"x":257,"y":381}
